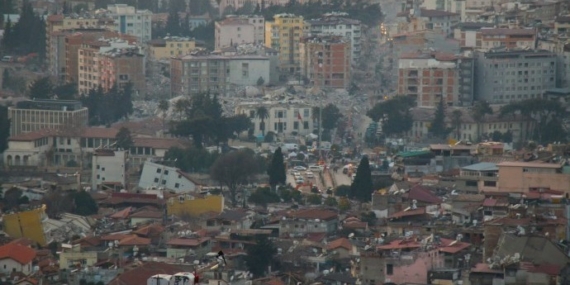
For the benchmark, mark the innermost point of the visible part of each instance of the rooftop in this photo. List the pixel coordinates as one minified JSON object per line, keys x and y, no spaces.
{"x":47,"y":104}
{"x":482,"y":166}
{"x":17,"y":252}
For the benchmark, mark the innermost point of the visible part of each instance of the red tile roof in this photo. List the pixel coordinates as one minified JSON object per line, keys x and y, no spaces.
{"x":452,"y":246}
{"x":147,"y":214}
{"x":19,"y":253}
{"x":316,"y":237}
{"x":549,"y":269}
{"x":140,"y":275}
{"x":134,"y":240}
{"x":187,"y":241}
{"x":114,"y":237}
{"x":149,"y":230}
{"x":484,"y":268}
{"x":320,"y":214}
{"x":414,"y":212}
{"x":122,"y":214}
{"x":407,"y":243}
{"x":339,"y":243}
{"x":423,"y":194}
{"x":103,"y":133}
{"x":32,"y":136}
{"x":274,"y":281}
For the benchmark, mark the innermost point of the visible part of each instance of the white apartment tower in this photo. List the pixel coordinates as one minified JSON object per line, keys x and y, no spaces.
{"x":132,"y":22}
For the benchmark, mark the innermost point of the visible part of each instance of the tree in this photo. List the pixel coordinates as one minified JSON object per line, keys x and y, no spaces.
{"x":260,"y":256}
{"x":5,"y":78}
{"x":331,"y":202}
{"x":394,"y":114}
{"x":30,"y":28}
{"x":124,"y":139}
{"x":41,"y":88}
{"x":290,"y":195}
{"x":342,"y":191}
{"x":368,"y":217}
{"x":315,"y":199}
{"x":276,"y":170}
{"x":260,"y":81}
{"x":163,"y":107}
{"x":362,"y":186}
{"x":263,"y":196}
{"x":173,"y":23}
{"x":234,"y":169}
{"x":85,"y":205}
{"x":343,"y":205}
{"x":456,"y":121}
{"x":4,"y":128}
{"x":262,"y":113}
{"x":11,"y":197}
{"x":58,"y":202}
{"x":438,"y":127}
{"x":66,"y":91}
{"x":331,"y":115}
{"x":480,"y":109}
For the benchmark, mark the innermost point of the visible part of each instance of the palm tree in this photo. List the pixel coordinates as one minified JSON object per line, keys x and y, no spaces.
{"x":456,"y":121}
{"x":163,"y":107}
{"x":480,"y":109}
{"x":262,"y":113}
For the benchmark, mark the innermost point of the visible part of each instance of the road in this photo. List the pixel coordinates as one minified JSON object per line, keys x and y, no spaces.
{"x":315,"y":181}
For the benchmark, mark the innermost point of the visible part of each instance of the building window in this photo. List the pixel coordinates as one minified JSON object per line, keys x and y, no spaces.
{"x":163,"y":182}
{"x":166,"y":172}
{"x":389,"y":269}
{"x":306,"y":125}
{"x":177,"y":185}
{"x":155,"y":180}
{"x":158,"y":170}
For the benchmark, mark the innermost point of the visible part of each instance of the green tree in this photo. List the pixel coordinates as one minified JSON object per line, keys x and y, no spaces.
{"x":85,"y":205}
{"x":368,"y":217}
{"x":260,"y":81}
{"x":262,"y":113}
{"x":124,"y":139}
{"x":394,"y":114}
{"x":362,"y":186}
{"x":66,"y":91}
{"x":343,"y":204}
{"x":41,"y":88}
{"x":260,"y":256}
{"x":4,"y":128}
{"x":480,"y":109}
{"x":438,"y":127}
{"x":5,"y":78}
{"x":276,"y":170}
{"x":342,"y":191}
{"x":330,"y":117}
{"x":315,"y":199}
{"x":234,"y":169}
{"x":30,"y":28}
{"x":192,"y":159}
{"x":290,"y":195}
{"x":263,"y":196}
{"x":163,"y":107}
{"x":11,"y":197}
{"x":456,"y":121}
{"x":173,"y":27}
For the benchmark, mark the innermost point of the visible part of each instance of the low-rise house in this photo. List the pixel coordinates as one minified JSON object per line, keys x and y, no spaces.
{"x":73,"y":256}
{"x":304,"y":221}
{"x":342,"y":248}
{"x":230,"y":220}
{"x":479,"y":177}
{"x":16,"y":258}
{"x":145,"y":216}
{"x":454,"y":252}
{"x":186,"y":246}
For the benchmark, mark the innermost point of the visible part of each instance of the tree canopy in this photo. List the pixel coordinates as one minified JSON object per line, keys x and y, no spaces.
{"x":30,"y":28}
{"x":260,"y":256}
{"x":202,"y":119}
{"x":192,"y":159}
{"x":234,"y":169}
{"x":4,"y":128}
{"x":263,"y":196}
{"x":85,"y":205}
{"x":124,"y":139}
{"x":438,"y":128}
{"x":394,"y":113}
{"x":362,"y":186}
{"x":106,"y":108}
{"x":276,"y":170}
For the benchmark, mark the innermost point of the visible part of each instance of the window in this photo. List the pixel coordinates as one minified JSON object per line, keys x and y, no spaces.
{"x":295,"y":125}
{"x":471,"y":183}
{"x":155,"y":180}
{"x":389,"y":269}
{"x":158,"y":170}
{"x":166,"y":172}
{"x":163,"y":182}
{"x":103,"y":169}
{"x":490,"y":183}
{"x":177,"y":185}
{"x":306,"y":125}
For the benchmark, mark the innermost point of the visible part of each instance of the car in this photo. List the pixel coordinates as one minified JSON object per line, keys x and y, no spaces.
{"x":316,"y":168}
{"x":300,"y":181}
{"x":299,"y":168}
{"x":309,"y":174}
{"x":296,"y":173}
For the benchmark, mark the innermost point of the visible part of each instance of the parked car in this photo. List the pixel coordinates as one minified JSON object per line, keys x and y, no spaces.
{"x":309,"y":174}
{"x":299,"y":168}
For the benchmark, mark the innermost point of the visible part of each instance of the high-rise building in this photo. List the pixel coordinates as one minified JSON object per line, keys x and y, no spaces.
{"x":326,"y":60}
{"x":331,"y":24}
{"x":130,"y":21}
{"x":284,"y":35}
{"x":198,"y":72}
{"x":35,"y":115}
{"x":170,"y":47}
{"x":236,"y":30}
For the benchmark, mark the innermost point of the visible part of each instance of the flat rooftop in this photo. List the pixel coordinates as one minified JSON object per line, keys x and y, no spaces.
{"x":54,"y":105}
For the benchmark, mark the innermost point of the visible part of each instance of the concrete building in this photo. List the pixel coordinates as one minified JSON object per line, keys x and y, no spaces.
{"x":194,"y":204}
{"x":246,"y":70}
{"x":168,"y":47}
{"x":284,"y":35}
{"x":469,"y":34}
{"x":35,"y":115}
{"x":505,"y":76}
{"x":28,"y":149}
{"x":326,"y":61}
{"x":452,"y":6}
{"x":283,"y":118}
{"x":130,"y":21}
{"x":74,"y":41}
{"x":105,"y":62}
{"x":420,"y":19}
{"x":257,"y":50}
{"x":533,"y":177}
{"x":70,"y":255}
{"x":507,"y":38}
{"x":170,"y":178}
{"x":431,"y":77}
{"x":121,"y":66}
{"x":198,"y":72}
{"x":184,"y":246}
{"x":109,"y":169}
{"x":332,"y":24}
{"x":26,"y":224}
{"x":242,"y":29}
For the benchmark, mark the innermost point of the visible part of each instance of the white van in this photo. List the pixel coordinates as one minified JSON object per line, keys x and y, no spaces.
{"x":289,"y":147}
{"x":7,"y":58}
{"x":316,"y":168}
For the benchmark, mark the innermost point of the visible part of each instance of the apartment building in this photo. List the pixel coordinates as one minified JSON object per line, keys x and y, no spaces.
{"x":430,"y":77}
{"x":453,"y":6}
{"x":203,"y":72}
{"x":283,"y":118}
{"x":35,"y":115}
{"x":242,"y":29}
{"x":420,"y":19}
{"x":61,"y":25}
{"x":160,"y":49}
{"x":505,"y":76}
{"x":326,"y":61}
{"x":233,"y":31}
{"x":284,"y":35}
{"x":331,"y":24}
{"x":507,"y":38}
{"x":562,"y":25}
{"x":517,"y":177}
{"x":109,"y":169}
{"x":256,"y":50}
{"x":469,"y":34}
{"x":198,"y":72}
{"x":131,"y":21}
{"x":105,"y":62}
{"x":75,"y":41}
{"x":121,"y":66}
